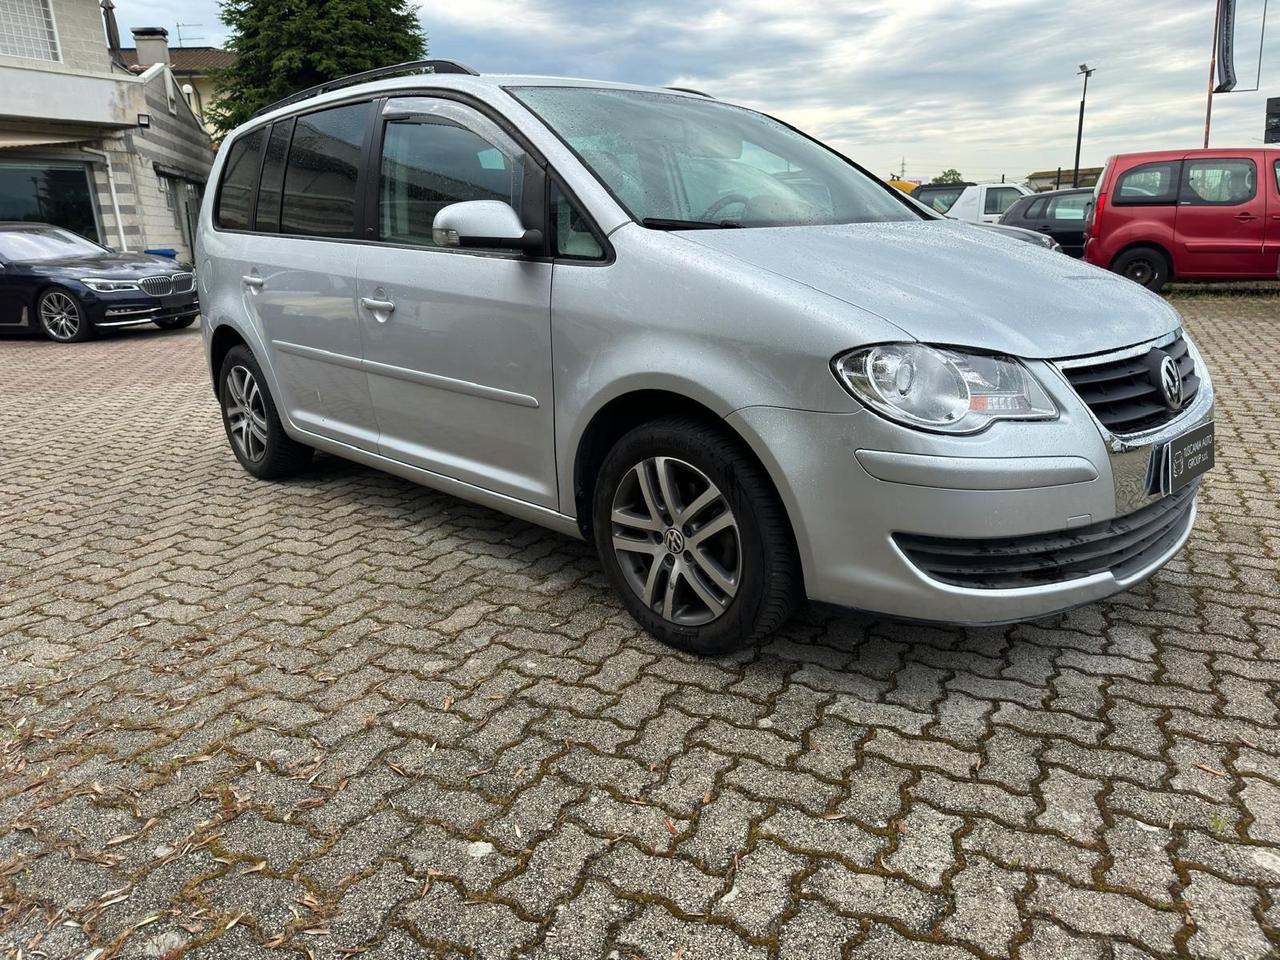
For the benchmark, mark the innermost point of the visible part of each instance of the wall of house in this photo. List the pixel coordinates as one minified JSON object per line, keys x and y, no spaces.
{"x":176,"y":140}
{"x":82,"y":39}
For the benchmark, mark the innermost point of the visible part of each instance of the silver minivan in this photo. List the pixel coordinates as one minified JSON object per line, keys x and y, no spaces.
{"x":745,"y":368}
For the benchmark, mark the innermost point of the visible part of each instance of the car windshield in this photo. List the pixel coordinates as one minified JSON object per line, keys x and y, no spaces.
{"x":21,"y":244}
{"x":678,"y":162}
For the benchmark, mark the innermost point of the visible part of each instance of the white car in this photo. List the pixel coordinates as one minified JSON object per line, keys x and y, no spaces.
{"x":975,"y":202}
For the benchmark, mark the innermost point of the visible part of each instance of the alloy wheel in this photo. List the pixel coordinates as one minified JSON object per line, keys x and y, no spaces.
{"x":676,"y":541}
{"x":246,"y":413}
{"x":60,"y":315}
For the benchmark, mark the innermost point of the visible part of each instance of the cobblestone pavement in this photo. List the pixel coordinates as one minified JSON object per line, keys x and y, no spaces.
{"x":346,"y":715}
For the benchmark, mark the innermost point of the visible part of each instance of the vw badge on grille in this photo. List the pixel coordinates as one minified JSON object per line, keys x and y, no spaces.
{"x":1170,"y":382}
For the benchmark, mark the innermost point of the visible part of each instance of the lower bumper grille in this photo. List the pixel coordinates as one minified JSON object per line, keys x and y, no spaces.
{"x":1122,"y":546}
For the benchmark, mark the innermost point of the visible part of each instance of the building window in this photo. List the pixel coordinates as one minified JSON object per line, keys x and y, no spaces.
{"x":26,"y":30}
{"x":57,"y":193}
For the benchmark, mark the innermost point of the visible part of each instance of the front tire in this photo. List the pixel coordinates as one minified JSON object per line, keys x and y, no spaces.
{"x":1144,"y":265}
{"x":693,"y":537}
{"x":61,"y":316}
{"x":253,"y":426}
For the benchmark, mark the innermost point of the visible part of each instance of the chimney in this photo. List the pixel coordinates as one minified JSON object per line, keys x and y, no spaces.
{"x":152,"y":44}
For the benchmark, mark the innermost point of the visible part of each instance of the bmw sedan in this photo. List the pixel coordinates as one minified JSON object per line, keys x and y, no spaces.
{"x":69,"y":287}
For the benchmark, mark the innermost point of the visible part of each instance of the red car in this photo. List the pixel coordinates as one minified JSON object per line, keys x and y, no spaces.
{"x":1187,"y":215}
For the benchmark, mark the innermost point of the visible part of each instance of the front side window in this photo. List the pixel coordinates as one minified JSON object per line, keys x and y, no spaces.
{"x":1218,"y":183}
{"x":1150,"y":183}
{"x":26,"y":30}
{"x":34,"y":243}
{"x":575,"y":240}
{"x":239,"y":176}
{"x":435,"y":153}
{"x":1000,"y":199}
{"x":1070,"y":207}
{"x":322,"y":171}
{"x":675,"y":160}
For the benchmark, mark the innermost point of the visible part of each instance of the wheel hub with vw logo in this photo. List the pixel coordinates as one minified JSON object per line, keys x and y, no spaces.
{"x":676,"y":541}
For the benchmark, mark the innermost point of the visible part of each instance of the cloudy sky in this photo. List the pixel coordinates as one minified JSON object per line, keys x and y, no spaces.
{"x":986,"y":86}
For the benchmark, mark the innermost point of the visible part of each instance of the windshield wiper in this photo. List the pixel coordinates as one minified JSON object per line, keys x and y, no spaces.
{"x":663,"y":223}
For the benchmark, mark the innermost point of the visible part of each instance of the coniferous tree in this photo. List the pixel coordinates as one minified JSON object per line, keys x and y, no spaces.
{"x":283,"y":46}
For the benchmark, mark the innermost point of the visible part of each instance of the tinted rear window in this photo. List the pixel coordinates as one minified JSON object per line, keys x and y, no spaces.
{"x":320,"y":177}
{"x":941,"y":198}
{"x":239,"y":177}
{"x":267,"y":215}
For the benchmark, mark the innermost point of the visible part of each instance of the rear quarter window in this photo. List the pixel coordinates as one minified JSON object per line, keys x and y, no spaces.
{"x":239,"y":180}
{"x":1148,"y":184}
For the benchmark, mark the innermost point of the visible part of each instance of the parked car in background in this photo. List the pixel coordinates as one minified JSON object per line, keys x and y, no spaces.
{"x":1187,"y":215}
{"x":1058,"y":214}
{"x":743,"y":367}
{"x":975,"y":202}
{"x":1016,"y":233}
{"x":68,"y":287}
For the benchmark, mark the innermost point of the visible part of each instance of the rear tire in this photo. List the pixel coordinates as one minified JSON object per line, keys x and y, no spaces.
{"x":1144,"y":265}
{"x":693,"y":537}
{"x":253,"y":426}
{"x":177,"y":323}
{"x":61,"y":316}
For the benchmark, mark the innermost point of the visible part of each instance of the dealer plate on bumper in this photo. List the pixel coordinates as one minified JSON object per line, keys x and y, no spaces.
{"x":1186,"y":457}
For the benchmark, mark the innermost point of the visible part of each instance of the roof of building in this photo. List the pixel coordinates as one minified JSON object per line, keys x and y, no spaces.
{"x":1065,"y":171}
{"x":189,"y":60}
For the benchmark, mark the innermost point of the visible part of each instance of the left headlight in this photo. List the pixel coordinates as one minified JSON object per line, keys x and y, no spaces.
{"x":109,"y":286}
{"x":941,"y":389}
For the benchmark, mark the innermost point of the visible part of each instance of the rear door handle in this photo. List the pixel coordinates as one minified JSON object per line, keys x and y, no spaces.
{"x":251,"y":281}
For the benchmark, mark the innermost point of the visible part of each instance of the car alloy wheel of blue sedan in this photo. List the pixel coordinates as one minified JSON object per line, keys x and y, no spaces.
{"x":68,"y":287}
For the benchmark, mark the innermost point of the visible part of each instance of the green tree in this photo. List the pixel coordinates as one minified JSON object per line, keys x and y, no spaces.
{"x":283,"y":46}
{"x":950,"y":175}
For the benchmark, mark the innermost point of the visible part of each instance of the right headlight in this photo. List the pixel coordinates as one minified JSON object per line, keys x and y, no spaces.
{"x":102,"y":285}
{"x":942,"y":389}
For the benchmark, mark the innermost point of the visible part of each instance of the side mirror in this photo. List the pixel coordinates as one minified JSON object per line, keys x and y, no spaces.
{"x":483,"y":223}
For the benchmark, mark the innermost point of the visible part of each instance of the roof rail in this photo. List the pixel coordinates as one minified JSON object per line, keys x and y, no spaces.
{"x":696,"y":93}
{"x":409,"y":66}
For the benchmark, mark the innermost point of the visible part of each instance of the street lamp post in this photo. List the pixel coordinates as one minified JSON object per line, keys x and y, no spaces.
{"x":1086,"y":72}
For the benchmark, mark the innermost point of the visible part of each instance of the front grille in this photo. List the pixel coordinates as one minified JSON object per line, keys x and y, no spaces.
{"x":157,"y":286}
{"x":1123,"y":546}
{"x":1125,"y":395}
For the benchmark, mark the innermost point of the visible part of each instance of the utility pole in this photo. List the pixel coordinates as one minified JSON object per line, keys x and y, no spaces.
{"x":1087,"y":73}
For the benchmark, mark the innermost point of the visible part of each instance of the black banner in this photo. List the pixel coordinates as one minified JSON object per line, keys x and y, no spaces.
{"x":1272,"y":132}
{"x":1226,"y":46}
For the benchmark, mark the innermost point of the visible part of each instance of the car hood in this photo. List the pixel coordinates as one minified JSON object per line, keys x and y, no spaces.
{"x":953,"y":283}
{"x":125,"y":266}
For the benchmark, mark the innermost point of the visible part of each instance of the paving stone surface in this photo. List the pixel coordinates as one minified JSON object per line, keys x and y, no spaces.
{"x":347,"y":716}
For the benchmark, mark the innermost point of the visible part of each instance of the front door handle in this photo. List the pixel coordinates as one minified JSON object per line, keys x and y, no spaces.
{"x":1246,"y":217}
{"x":251,"y":281}
{"x":381,"y":309}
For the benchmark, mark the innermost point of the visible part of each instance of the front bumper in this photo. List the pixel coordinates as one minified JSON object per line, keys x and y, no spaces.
{"x":850,"y":482}
{"x":130,"y":308}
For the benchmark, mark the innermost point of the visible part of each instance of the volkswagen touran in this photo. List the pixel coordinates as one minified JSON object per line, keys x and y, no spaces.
{"x":744,"y":368}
